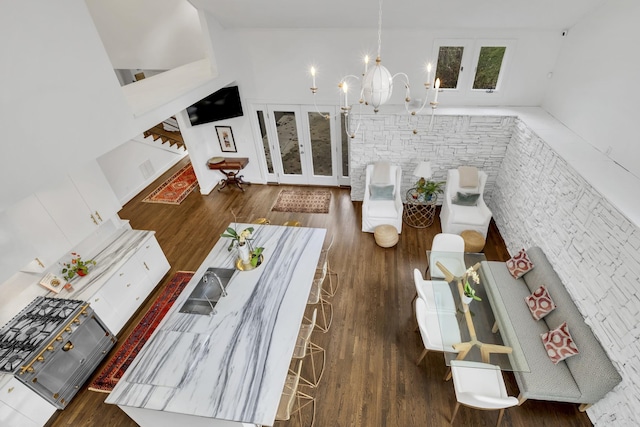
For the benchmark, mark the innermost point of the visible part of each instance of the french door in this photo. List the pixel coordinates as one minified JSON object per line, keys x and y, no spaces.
{"x":300,"y":145}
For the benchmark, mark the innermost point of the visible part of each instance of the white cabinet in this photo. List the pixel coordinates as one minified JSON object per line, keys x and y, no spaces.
{"x":123,"y":293}
{"x":96,"y":191}
{"x":21,"y":406}
{"x":80,"y":202}
{"x":153,"y":260}
{"x":29,"y":232}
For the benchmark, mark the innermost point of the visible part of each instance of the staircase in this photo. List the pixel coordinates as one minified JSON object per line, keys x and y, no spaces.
{"x":167,"y":131}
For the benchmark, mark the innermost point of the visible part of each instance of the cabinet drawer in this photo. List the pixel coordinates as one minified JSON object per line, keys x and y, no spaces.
{"x":25,"y":401}
{"x":11,"y":418}
{"x":153,"y":260}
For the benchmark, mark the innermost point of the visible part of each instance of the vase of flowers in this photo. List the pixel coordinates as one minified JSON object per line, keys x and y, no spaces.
{"x":76,"y":267}
{"x":468,"y":292}
{"x":242,"y":241}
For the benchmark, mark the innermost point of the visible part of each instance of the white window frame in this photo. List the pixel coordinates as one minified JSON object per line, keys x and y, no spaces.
{"x":479,"y":44}
{"x":469,"y":64}
{"x":462,"y":76}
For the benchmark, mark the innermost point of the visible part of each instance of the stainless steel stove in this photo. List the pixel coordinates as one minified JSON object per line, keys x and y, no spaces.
{"x":53,"y":345}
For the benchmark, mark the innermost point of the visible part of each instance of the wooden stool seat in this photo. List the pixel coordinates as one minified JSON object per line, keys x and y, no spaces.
{"x":386,"y":235}
{"x":473,"y":241}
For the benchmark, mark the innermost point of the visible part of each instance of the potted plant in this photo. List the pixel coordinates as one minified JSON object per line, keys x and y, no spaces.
{"x":77,"y":266}
{"x":242,"y":241}
{"x":427,"y":189}
{"x":469,"y":292}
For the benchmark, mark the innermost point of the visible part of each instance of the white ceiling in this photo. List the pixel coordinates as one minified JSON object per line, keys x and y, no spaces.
{"x":424,"y":14}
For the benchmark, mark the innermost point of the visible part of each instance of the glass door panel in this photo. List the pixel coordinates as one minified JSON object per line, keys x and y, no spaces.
{"x":265,"y":141}
{"x":288,"y":141}
{"x":320,"y":135}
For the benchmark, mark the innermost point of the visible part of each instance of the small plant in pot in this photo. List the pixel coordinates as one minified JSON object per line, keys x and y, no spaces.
{"x":428,"y":190}
{"x":468,"y":290}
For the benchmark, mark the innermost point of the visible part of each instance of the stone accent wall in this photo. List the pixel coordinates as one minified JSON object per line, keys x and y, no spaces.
{"x":453,"y":141}
{"x":538,"y":199}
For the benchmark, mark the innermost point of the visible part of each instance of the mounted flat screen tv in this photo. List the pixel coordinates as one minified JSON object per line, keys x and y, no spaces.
{"x":222,"y":104}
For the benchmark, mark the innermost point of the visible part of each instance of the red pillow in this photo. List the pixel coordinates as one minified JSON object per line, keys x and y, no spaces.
{"x":540,"y":303}
{"x":559,"y":344}
{"x":519,"y":264}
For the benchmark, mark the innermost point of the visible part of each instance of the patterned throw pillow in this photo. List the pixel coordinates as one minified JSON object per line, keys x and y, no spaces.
{"x":519,"y":264}
{"x":540,"y":303}
{"x":559,"y":344}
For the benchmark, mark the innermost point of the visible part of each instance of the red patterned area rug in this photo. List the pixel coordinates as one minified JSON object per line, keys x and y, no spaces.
{"x":119,"y":362}
{"x":303,"y":201}
{"x":175,"y":189}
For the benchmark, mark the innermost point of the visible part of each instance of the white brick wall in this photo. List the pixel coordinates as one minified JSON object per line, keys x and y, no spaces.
{"x":538,"y":199}
{"x":479,"y":141}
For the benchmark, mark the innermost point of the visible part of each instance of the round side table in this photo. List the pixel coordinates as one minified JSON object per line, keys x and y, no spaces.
{"x":418,"y":213}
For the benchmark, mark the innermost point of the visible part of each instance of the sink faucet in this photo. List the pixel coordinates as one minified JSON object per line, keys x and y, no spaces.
{"x":205,"y":279}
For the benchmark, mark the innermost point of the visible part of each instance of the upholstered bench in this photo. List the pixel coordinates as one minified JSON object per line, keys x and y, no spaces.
{"x":583,"y":378}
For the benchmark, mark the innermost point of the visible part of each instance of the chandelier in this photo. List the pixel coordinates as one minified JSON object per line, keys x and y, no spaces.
{"x":376,"y":87}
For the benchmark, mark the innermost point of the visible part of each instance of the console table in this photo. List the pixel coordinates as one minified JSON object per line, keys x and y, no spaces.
{"x":417,"y":212}
{"x":230,"y":167}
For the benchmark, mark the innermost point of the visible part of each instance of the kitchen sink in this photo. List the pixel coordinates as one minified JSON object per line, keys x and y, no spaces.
{"x":210,"y":289}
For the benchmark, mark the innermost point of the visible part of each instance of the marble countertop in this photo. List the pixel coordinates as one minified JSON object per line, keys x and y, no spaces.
{"x":113,"y":255}
{"x":230,"y":365}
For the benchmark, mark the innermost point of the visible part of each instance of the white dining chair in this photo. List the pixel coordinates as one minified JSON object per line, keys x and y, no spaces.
{"x":305,"y":347}
{"x":293,"y":401}
{"x":316,"y":296}
{"x":480,"y":386}
{"x":325,"y":268}
{"x":435,"y":293}
{"x":448,"y":249}
{"x":439,"y":331}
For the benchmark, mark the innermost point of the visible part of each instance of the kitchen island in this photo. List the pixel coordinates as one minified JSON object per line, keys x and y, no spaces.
{"x":228,"y":367}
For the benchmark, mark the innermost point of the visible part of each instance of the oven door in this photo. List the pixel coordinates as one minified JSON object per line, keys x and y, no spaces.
{"x":74,"y":359}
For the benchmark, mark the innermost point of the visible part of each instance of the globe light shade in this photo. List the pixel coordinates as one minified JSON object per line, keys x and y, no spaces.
{"x":377,"y":86}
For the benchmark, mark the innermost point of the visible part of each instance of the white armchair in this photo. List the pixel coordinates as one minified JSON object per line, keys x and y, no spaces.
{"x":382,"y":203}
{"x":455,"y":218}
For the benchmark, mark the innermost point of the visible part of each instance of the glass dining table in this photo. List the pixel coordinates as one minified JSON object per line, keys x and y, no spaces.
{"x":481,"y":340}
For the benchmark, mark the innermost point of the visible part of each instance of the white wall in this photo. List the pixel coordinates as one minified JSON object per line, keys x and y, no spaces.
{"x":125,"y":168}
{"x":50,"y":115}
{"x":595,"y":90}
{"x":54,"y":119}
{"x":541,"y":200}
{"x":280,"y":62}
{"x":148,"y":34}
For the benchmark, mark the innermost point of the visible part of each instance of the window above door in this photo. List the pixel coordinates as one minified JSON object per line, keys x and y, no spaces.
{"x":469,"y":67}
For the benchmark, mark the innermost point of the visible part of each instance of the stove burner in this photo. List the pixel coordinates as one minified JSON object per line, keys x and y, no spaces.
{"x":32,"y":328}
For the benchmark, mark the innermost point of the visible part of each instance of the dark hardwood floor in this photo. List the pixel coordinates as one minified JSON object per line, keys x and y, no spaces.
{"x":371,"y":378}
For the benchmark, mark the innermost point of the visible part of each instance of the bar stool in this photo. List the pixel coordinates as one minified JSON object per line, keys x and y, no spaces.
{"x":325,"y":268}
{"x":292,"y":400}
{"x":316,"y":297}
{"x":293,"y":223}
{"x":262,"y":221}
{"x":304,"y":346}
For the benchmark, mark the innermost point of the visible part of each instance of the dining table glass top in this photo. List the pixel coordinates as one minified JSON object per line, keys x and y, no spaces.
{"x":480,"y":338}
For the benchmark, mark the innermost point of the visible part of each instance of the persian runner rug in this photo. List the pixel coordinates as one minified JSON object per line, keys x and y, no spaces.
{"x":120,"y":361}
{"x":175,"y":189}
{"x":303,"y":201}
